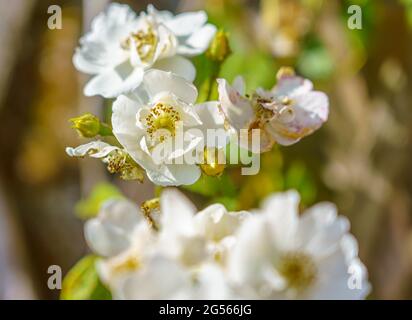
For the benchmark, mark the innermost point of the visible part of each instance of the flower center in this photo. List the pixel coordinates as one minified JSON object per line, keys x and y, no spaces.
{"x":129,"y":263}
{"x":144,"y":42}
{"x":267,"y":109}
{"x":120,"y":162}
{"x":298,"y":269}
{"x":161,"y":121}
{"x":263,"y":114}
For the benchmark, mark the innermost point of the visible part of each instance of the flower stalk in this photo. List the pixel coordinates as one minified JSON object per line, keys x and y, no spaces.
{"x":219,"y":50}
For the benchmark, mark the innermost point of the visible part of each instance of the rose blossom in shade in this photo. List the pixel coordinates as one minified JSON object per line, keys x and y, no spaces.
{"x":284,"y":115}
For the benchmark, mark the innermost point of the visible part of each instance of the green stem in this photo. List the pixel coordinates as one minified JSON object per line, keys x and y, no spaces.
{"x":212,"y":81}
{"x":105,"y":130}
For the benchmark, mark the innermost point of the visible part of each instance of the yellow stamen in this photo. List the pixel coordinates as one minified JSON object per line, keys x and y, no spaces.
{"x":285,"y":72}
{"x":120,"y":162}
{"x":130,"y":263}
{"x":149,"y":208}
{"x":145,"y":43}
{"x":162,"y":117}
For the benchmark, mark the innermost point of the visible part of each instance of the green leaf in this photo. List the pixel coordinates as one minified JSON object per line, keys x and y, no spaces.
{"x":89,"y":207}
{"x":82,"y":282}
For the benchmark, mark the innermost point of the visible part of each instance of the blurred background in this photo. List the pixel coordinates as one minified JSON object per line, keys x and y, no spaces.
{"x":360,"y":159}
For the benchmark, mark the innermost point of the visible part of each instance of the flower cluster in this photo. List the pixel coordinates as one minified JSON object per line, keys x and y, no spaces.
{"x":169,"y":250}
{"x":160,"y":127}
{"x":156,"y":119}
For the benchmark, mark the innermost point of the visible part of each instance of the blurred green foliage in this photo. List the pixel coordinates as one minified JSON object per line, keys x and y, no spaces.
{"x":249,"y":60}
{"x":89,"y":207}
{"x":315,"y":62}
{"x":408,"y":9}
{"x":82,"y":282}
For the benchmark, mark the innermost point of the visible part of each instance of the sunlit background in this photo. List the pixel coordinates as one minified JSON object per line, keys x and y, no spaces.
{"x":361,"y":159}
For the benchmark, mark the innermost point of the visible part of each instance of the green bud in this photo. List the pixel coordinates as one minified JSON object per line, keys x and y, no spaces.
{"x":89,"y":126}
{"x":219,"y":48}
{"x":212,"y":167}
